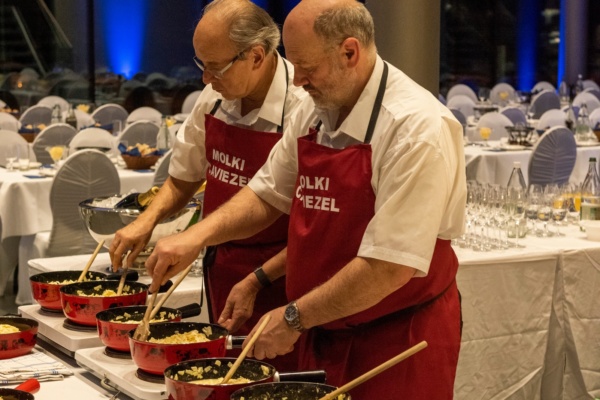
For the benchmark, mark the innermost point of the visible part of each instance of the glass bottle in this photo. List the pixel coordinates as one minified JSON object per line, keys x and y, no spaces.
{"x":583,"y":132}
{"x":56,"y":116}
{"x":163,"y":140}
{"x":590,"y":195}
{"x":579,"y":85}
{"x":138,"y":201}
{"x":516,"y":193}
{"x":563,"y":93}
{"x":71,"y":118}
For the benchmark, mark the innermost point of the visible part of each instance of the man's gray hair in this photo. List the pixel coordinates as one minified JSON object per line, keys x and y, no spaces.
{"x":250,"y":25}
{"x":337,"y":24}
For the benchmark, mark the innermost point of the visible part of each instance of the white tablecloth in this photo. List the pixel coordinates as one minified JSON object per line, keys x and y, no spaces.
{"x":531,"y":320}
{"x":488,"y":165}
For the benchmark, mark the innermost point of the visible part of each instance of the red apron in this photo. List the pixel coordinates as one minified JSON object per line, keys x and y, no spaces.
{"x":235,"y":155}
{"x":334,"y":202}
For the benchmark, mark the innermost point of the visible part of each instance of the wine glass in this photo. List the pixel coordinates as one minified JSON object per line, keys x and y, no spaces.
{"x":572,"y":193}
{"x":545,"y":213}
{"x":12,"y":156}
{"x":485,"y":134}
{"x":56,"y":153}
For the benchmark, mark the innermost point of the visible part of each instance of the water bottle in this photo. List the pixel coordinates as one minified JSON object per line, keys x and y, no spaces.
{"x":56,"y":116}
{"x":163,"y":140}
{"x":583,"y":131}
{"x":515,"y":201}
{"x":590,"y":195}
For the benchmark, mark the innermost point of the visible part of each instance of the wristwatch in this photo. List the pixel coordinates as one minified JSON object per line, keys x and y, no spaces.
{"x":292,"y":316}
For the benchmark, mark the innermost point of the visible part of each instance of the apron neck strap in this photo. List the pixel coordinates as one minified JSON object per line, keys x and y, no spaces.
{"x":216,"y":107}
{"x":376,"y":106}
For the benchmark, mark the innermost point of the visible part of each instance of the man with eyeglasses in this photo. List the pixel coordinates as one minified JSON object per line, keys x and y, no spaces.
{"x":237,"y":119}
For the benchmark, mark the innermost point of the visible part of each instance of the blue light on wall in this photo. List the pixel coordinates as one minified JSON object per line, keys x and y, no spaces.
{"x":123,"y":28}
{"x":527,"y":23}
{"x":562,"y":45}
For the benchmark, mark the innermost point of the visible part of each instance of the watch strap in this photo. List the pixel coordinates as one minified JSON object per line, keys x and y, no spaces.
{"x":263,"y":279}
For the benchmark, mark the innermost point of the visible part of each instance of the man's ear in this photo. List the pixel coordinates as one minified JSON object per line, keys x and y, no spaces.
{"x":350,"y":50}
{"x":258,"y":56}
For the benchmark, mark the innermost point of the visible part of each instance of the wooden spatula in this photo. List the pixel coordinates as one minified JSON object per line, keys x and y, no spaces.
{"x":89,"y":264}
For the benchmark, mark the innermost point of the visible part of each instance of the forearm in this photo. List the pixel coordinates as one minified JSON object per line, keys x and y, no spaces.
{"x":244,"y":215}
{"x":361,"y":284}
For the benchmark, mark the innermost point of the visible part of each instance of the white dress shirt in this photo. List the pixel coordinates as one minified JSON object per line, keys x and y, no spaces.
{"x":189,"y":162}
{"x":417,"y":161}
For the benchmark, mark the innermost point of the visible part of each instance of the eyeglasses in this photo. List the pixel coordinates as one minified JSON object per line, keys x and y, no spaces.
{"x":216,"y":74}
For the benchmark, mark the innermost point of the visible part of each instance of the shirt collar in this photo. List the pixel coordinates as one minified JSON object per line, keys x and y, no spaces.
{"x":356,"y":123}
{"x":273,"y":106}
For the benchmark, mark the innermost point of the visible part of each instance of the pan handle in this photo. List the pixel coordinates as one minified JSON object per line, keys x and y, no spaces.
{"x":234,"y":342}
{"x":191,"y":310}
{"x":131,"y":276}
{"x":316,"y":376}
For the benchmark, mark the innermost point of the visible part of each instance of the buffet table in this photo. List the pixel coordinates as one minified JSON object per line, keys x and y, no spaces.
{"x":494,"y":164}
{"x":531,"y":317}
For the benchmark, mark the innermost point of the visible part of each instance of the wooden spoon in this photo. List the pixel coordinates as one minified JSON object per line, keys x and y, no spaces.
{"x":242,"y":355}
{"x":142,"y":332}
{"x":143,"y":329}
{"x":369,"y":374}
{"x":122,"y":280}
{"x":89,"y":264}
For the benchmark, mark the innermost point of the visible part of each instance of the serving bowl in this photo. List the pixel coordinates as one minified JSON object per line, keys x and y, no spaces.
{"x":103,"y":222}
{"x":18,"y":343}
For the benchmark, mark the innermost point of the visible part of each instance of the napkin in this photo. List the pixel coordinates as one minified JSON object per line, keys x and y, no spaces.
{"x":35,"y":365}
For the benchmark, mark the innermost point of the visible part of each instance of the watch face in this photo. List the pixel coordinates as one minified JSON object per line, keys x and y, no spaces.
{"x":291,"y":313}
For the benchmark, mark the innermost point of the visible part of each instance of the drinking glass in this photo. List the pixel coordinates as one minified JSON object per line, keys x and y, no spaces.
{"x":485,"y":134}
{"x":11,"y":158}
{"x":572,"y":193}
{"x":559,"y":209}
{"x":56,"y":153}
{"x":516,"y":202}
{"x":545,"y":214}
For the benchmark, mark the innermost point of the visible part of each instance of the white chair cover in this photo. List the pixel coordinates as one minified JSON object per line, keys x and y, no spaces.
{"x":587,"y":98}
{"x":543,"y":85}
{"x":9,"y":122}
{"x":140,"y":132}
{"x":462,"y":103}
{"x":590,"y":84}
{"x":542,"y":102}
{"x":595,"y":119}
{"x":12,"y":144}
{"x":442,"y":99}
{"x":2,"y":104}
{"x":553,"y":157}
{"x":463,"y":89}
{"x":162,"y":169}
{"x":494,"y":120}
{"x":147,"y":113}
{"x":57,"y":134}
{"x":516,"y":115}
{"x":107,"y":113}
{"x":550,"y":119}
{"x":498,"y":91}
{"x":85,"y":174}
{"x":35,"y":115}
{"x":593,"y":91}
{"x":84,"y":119}
{"x":50,"y":101}
{"x":190,"y":101}
{"x":92,"y":138}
